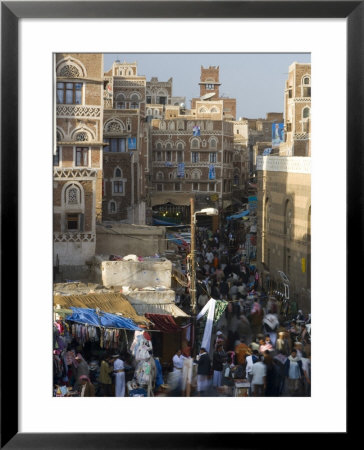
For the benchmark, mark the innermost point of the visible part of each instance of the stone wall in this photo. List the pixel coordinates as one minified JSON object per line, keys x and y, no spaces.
{"x":125,"y":240}
{"x":284,"y":216}
{"x":136,"y":274}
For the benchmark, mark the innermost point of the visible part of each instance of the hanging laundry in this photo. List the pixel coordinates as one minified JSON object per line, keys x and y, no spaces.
{"x":196,"y":130}
{"x":209,"y":308}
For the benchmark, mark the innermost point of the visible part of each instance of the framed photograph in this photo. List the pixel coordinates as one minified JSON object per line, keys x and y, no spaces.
{"x":33,"y":33}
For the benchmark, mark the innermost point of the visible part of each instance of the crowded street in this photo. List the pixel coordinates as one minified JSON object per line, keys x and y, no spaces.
{"x":182,"y":232}
{"x":253,"y":347}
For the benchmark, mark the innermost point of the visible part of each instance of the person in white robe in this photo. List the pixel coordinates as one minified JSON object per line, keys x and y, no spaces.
{"x":119,"y":373}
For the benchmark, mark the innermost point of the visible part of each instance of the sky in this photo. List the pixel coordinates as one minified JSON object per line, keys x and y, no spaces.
{"x":256,"y":80}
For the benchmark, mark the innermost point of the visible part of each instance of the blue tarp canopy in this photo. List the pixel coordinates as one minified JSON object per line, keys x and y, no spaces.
{"x":172,"y":237}
{"x":101,"y":319}
{"x":239,"y":215}
{"x":163,"y":222}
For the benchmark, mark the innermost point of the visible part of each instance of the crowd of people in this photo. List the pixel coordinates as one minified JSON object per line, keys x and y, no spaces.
{"x":283,"y":369}
{"x":252,"y":342}
{"x":255,"y":342}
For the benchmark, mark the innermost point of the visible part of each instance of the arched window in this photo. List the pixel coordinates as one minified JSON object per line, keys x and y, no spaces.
{"x":306,"y":86}
{"x":180,"y":146}
{"x":306,"y":81}
{"x":112,"y":207}
{"x":306,"y":112}
{"x":120,"y":102}
{"x":113,"y":127}
{"x":203,"y":110}
{"x":69,"y":71}
{"x":73,"y":195}
{"x":162,"y":125}
{"x":195,"y":143}
{"x":168,"y":146}
{"x":213,"y":143}
{"x":214,"y":110}
{"x":195,"y":175}
{"x":160,"y":176}
{"x":82,"y":136}
{"x":118,"y":182}
{"x":70,"y":68}
{"x":135,"y":99}
{"x":158,"y":146}
{"x":172,"y":126}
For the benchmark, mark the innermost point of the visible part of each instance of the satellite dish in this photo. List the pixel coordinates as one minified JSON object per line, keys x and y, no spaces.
{"x":182,"y":105}
{"x":207,"y":96}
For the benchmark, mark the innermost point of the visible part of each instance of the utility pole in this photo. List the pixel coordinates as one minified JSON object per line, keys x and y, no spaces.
{"x":193,"y":273}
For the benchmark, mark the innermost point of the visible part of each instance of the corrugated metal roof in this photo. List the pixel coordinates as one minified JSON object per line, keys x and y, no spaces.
{"x":108,"y":302}
{"x":158,"y":308}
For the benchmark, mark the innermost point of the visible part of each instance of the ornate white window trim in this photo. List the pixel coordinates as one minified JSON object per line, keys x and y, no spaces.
{"x":72,"y":62}
{"x":114,"y":126}
{"x":84,"y":131}
{"x":79,"y":205}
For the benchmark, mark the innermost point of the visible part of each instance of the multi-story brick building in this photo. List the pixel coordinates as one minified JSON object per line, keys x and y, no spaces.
{"x":189,"y":163}
{"x":297,"y":111}
{"x":126,"y":144}
{"x":77,"y":161}
{"x":253,"y":136}
{"x":209,"y":90}
{"x":284,"y":199}
{"x":192,"y":150}
{"x":240,"y":158}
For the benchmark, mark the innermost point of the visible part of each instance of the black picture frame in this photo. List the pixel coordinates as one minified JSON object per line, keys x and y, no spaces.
{"x":11,"y":12}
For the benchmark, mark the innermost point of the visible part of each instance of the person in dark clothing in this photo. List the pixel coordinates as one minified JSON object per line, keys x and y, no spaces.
{"x":270,"y":390}
{"x":203,"y":371}
{"x":218,"y":360}
{"x":279,"y":362}
{"x":215,"y":292}
{"x":224,"y":289}
{"x":227,"y":270}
